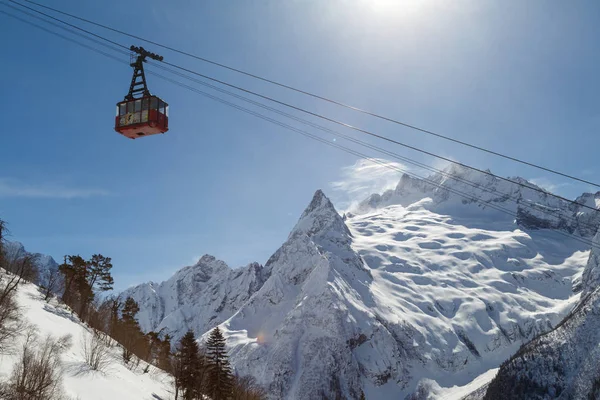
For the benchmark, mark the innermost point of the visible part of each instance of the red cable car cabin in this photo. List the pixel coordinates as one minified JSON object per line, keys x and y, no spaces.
{"x":146,"y":116}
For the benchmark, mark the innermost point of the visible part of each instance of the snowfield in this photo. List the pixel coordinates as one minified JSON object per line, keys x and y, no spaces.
{"x":116,"y":382}
{"x":563,"y":363}
{"x":471,"y":295}
{"x":416,"y":291}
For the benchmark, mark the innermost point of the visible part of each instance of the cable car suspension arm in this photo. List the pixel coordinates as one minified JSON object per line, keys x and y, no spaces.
{"x":138,"y":81}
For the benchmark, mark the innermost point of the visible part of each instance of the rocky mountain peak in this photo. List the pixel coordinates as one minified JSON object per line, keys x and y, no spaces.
{"x":209,"y":264}
{"x":319,"y":218}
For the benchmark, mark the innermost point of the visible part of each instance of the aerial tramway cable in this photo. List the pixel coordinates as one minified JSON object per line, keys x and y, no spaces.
{"x":338,"y":103}
{"x":361,"y":143}
{"x":350,"y":138}
{"x":264,"y":106}
{"x":351,"y":151}
{"x":366,"y":157}
{"x":103,"y":43}
{"x":317,"y":115}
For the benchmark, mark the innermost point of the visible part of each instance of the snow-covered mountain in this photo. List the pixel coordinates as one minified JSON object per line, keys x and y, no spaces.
{"x":417,"y":290}
{"x":197,"y":297}
{"x":44,"y":262}
{"x":564,"y":363}
{"x":534,"y":207}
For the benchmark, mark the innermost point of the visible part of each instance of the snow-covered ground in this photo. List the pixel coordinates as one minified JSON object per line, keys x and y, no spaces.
{"x":115,"y":383}
{"x":473,"y":295}
{"x":460,"y":392}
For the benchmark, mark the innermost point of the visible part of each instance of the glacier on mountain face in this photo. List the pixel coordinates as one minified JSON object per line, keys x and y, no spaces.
{"x":534,"y":207}
{"x":416,"y":285}
{"x":562,"y":364}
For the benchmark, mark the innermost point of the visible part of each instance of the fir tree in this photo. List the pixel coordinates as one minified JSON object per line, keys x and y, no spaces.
{"x":129,"y":333}
{"x":164,"y":354}
{"x":220,"y":380}
{"x":130,"y":310}
{"x":154,"y":343}
{"x":189,"y":367}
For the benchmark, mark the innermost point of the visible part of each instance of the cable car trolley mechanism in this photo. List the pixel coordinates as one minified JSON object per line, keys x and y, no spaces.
{"x":140,"y":113}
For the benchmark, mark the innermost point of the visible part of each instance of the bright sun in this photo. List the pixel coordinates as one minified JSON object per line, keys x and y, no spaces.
{"x":404,"y":6}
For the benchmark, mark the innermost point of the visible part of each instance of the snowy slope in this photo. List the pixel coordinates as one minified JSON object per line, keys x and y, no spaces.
{"x":417,"y":285}
{"x":564,"y":363}
{"x":117,"y":382}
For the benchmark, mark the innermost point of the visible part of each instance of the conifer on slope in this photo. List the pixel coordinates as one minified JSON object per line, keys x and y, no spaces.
{"x":189,"y":366}
{"x":220,"y":381}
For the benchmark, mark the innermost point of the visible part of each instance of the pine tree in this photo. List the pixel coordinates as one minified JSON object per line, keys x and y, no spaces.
{"x":73,"y":271}
{"x":220,"y":381}
{"x":97,"y":278}
{"x":98,"y":273}
{"x":129,"y":333}
{"x":154,"y":343}
{"x":164,"y":354}
{"x":189,"y":371}
{"x":201,"y":375}
{"x":130,"y":310}
{"x":114,"y":304}
{"x":82,"y":278}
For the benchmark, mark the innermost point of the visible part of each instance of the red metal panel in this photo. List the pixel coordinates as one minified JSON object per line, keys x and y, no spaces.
{"x":156,"y":122}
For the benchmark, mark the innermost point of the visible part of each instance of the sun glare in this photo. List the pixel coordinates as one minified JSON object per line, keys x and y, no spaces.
{"x":397,"y":6}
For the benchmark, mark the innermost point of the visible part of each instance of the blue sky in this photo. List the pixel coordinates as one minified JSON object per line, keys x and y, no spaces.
{"x":517,"y":77}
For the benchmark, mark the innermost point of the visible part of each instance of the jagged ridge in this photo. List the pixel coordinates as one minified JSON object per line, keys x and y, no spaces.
{"x":197,"y":297}
{"x":454,"y":185}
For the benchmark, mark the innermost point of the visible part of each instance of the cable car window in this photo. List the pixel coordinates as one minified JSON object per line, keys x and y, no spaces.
{"x":122,"y":109}
{"x":167,"y":111}
{"x":130,"y":107}
{"x":154,"y":103}
{"x":145,"y":103}
{"x":138,"y":105}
